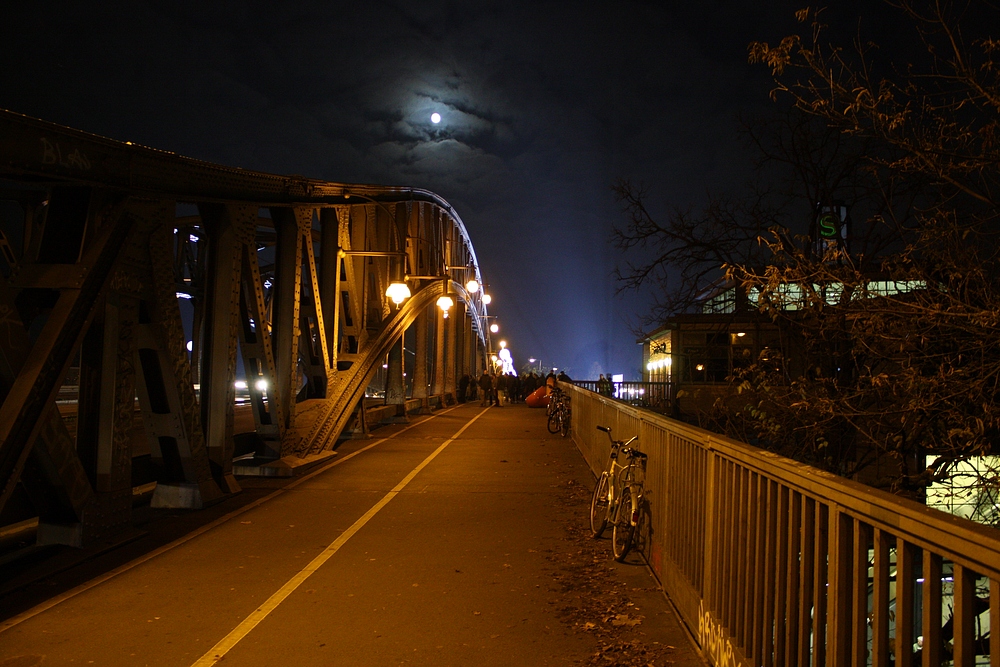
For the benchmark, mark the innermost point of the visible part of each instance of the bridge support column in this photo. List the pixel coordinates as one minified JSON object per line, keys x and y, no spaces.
{"x":329,"y":275}
{"x":106,"y":415}
{"x":285,"y":320}
{"x":165,"y":388}
{"x":451,"y":355}
{"x":218,"y":363}
{"x":420,"y":350}
{"x":395,"y":391}
{"x":438,"y":383}
{"x":467,"y":343}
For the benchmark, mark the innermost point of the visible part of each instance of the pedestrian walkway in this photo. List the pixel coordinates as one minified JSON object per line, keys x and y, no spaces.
{"x":458,"y":539}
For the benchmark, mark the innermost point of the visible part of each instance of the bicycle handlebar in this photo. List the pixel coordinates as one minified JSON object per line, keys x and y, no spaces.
{"x":620,"y":443}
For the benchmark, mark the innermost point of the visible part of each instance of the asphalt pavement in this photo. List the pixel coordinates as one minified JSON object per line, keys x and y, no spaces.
{"x":457,"y":539}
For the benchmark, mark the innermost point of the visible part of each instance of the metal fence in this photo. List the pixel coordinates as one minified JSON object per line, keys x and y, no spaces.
{"x":771,"y":562}
{"x":653,"y":395}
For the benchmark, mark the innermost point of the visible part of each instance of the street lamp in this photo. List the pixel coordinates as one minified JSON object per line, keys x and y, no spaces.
{"x":487,"y":299}
{"x":472,"y":286}
{"x":494,"y":327}
{"x":444,"y":303}
{"x":398,"y":292}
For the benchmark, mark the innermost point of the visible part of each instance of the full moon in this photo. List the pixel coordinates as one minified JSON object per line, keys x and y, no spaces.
{"x":435,"y":118}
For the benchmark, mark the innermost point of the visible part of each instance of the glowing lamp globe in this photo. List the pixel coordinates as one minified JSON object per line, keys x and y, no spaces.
{"x":487,"y":299}
{"x":472,"y":286}
{"x":494,"y":328}
{"x":445,"y":302}
{"x":398,"y":292}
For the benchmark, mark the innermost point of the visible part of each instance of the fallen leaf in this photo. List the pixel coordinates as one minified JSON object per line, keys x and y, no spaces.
{"x":623,"y":619}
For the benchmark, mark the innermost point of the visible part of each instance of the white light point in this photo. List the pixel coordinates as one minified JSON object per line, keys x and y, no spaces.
{"x":435,"y":118}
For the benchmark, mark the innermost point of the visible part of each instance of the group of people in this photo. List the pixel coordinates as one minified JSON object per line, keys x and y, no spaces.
{"x":497,"y":389}
{"x":502,"y":388}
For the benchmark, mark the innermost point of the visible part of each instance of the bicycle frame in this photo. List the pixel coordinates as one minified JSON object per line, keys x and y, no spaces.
{"x":615,"y":470}
{"x":627,"y":480}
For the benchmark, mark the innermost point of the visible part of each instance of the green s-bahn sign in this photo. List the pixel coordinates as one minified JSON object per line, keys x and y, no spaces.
{"x":829,"y":225}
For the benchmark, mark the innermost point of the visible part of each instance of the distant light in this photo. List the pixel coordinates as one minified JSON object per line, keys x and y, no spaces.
{"x":494,"y":328}
{"x":435,"y":118}
{"x":241,"y":385}
{"x":261,"y":385}
{"x":190,"y":346}
{"x":503,"y":344}
{"x":487,"y":299}
{"x":700,"y":367}
{"x":385,"y":365}
{"x":532,"y":360}
{"x":183,"y":295}
{"x":741,"y":334}
{"x":192,"y":238}
{"x":472,"y":286}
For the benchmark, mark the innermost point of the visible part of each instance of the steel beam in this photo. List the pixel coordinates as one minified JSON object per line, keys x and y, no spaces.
{"x":166,"y":390}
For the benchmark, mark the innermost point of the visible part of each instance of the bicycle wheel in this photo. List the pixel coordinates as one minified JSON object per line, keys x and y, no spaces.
{"x":555,"y":422}
{"x":624,"y":530}
{"x":564,"y":427}
{"x":599,"y":506}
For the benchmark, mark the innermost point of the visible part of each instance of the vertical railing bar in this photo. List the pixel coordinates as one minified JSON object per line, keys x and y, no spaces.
{"x":931,"y":619}
{"x":859,"y":595}
{"x":905,"y":584}
{"x":841,"y":568}
{"x":739,"y":618}
{"x":705,"y":459}
{"x":793,"y":604}
{"x":963,"y":619}
{"x":749,"y":566}
{"x":734,"y":547}
{"x":821,"y":590}
{"x":780,"y":580}
{"x":726,"y":543}
{"x":880,"y":600}
{"x":808,"y":564}
{"x":687,"y":546}
{"x":715,"y":602}
{"x":994,"y":623}
{"x":683,"y":543}
{"x":758,"y":593}
{"x":770,"y":558}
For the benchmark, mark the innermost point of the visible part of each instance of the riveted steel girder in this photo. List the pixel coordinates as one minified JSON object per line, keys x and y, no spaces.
{"x":161,"y":317}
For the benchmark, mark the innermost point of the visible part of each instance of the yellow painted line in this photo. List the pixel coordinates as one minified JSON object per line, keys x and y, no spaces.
{"x":82,"y":588}
{"x":219,"y":651}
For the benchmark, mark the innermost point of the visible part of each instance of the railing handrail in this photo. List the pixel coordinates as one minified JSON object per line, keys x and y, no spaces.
{"x":716,"y":481}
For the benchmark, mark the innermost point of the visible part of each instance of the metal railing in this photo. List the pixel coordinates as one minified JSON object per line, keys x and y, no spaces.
{"x":771,"y":562}
{"x":653,"y":395}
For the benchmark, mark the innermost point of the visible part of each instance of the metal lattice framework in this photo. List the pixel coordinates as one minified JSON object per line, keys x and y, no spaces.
{"x":138,"y":286}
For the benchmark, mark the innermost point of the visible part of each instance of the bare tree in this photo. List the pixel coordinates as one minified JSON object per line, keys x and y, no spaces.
{"x":897,"y":325}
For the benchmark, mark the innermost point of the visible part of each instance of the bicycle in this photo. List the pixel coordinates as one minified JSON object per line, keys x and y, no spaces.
{"x":559,"y":413}
{"x":618,"y":496}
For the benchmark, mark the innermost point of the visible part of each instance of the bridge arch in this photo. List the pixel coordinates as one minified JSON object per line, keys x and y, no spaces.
{"x":135,"y":284}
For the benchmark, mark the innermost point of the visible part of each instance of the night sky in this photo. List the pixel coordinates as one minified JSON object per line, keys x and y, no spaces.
{"x":544,"y":105}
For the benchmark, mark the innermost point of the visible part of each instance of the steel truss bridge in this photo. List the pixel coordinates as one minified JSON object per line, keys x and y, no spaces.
{"x":136,"y":282}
